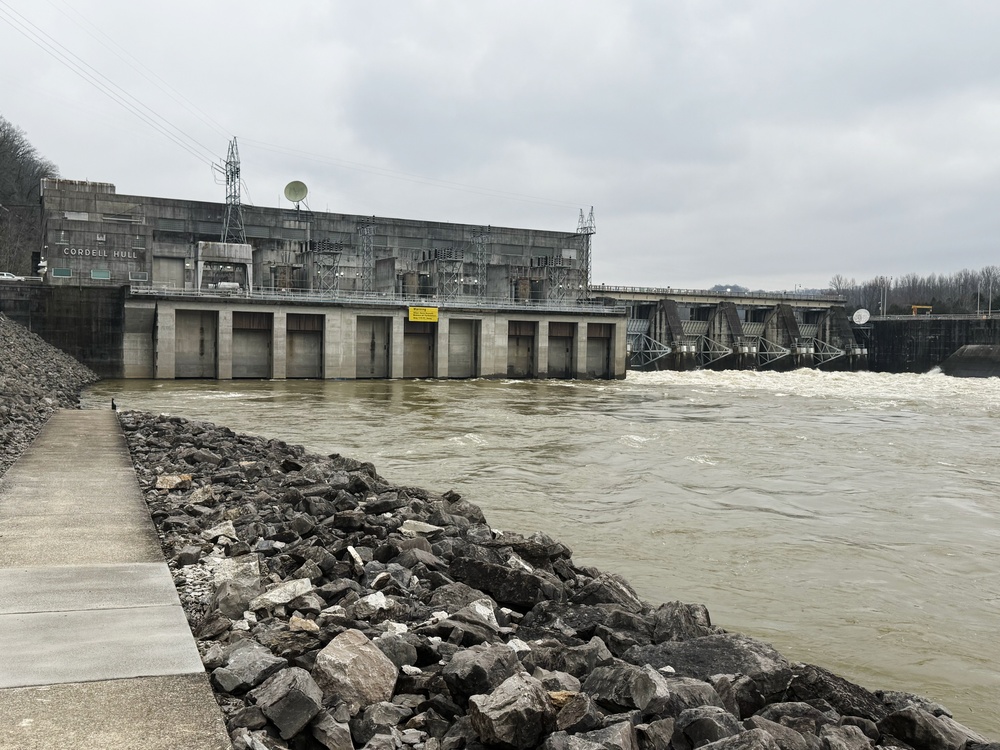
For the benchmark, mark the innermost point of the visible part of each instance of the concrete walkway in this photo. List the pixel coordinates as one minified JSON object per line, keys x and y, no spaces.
{"x":95,"y":651}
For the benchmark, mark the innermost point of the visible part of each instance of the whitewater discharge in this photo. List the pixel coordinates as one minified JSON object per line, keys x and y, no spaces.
{"x":851,"y":519}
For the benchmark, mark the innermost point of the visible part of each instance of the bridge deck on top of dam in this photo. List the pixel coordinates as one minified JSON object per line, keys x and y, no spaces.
{"x":97,"y":649}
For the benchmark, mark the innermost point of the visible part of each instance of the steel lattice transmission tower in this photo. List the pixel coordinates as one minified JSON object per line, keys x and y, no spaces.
{"x":232,"y":225}
{"x":585,"y":229}
{"x":366,"y":230}
{"x":481,"y":237}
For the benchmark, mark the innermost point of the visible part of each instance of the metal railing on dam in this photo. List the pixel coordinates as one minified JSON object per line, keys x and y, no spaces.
{"x":389,"y":299}
{"x":599,"y":289}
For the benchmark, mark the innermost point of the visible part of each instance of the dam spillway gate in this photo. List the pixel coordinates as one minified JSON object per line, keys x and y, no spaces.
{"x":671,"y":329}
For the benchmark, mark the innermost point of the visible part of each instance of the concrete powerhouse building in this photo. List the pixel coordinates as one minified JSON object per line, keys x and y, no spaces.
{"x":325,"y":295}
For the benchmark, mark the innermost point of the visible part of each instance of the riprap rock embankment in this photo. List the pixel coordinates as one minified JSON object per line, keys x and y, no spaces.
{"x":36,"y":378}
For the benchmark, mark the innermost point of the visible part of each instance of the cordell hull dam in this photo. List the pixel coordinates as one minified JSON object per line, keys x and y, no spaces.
{"x":140,"y":287}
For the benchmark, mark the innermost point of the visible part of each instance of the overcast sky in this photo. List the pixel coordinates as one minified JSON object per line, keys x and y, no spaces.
{"x":771,"y":144}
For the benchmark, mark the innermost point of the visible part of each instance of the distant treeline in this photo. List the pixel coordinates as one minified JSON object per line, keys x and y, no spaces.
{"x":963,"y":293}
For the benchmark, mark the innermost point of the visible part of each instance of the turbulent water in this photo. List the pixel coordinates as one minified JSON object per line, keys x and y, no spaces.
{"x":852,"y":520}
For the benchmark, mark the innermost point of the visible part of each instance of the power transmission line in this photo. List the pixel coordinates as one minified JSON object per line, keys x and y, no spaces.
{"x":103,"y":84}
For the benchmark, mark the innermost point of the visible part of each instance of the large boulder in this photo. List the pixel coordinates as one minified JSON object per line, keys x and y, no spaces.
{"x":677,"y":621}
{"x":703,"y":725}
{"x":754,"y":739}
{"x":514,"y":587}
{"x":352,"y":669}
{"x":290,"y":699}
{"x":479,"y":669}
{"x":609,"y":588}
{"x":517,"y":714}
{"x":624,"y":687}
{"x":810,"y":683}
{"x":246,"y":665}
{"x":922,"y":730}
{"x":786,"y":737}
{"x":723,"y":653}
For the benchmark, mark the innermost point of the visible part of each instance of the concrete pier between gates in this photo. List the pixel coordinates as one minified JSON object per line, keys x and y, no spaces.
{"x":97,"y":652}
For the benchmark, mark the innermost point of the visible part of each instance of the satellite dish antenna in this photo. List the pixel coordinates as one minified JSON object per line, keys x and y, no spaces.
{"x":861,"y":316}
{"x":295,"y":191}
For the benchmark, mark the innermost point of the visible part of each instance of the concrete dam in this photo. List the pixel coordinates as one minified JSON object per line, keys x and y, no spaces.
{"x":141,"y":287}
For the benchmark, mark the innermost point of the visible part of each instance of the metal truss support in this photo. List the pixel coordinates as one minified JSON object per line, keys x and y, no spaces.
{"x":644,"y":350}
{"x":450,"y":278}
{"x":825,"y":353}
{"x":481,"y":237}
{"x":327,"y":256}
{"x":585,"y":230}
{"x":232,"y":224}
{"x":558,"y":283}
{"x":366,"y":232}
{"x":769,"y":352}
{"x":712,"y":351}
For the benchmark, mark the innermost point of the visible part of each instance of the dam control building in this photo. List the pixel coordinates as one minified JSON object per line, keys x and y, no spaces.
{"x":220,"y":290}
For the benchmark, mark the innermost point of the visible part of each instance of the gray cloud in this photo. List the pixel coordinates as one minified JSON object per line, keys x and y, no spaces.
{"x":766,"y":144}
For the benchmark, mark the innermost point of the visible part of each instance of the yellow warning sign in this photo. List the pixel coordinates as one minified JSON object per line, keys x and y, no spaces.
{"x":424,"y":314}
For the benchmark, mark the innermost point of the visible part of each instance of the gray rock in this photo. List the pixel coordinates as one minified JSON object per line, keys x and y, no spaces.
{"x":330,"y":733}
{"x":801,"y":717}
{"x":624,"y":687}
{"x":282,"y":593}
{"x":727,"y":653}
{"x":656,"y":735}
{"x":618,"y":736}
{"x":578,"y":714}
{"x":232,"y":598}
{"x":556,"y":680}
{"x":703,"y":725}
{"x":378,"y":718}
{"x":676,"y":621}
{"x":739,"y":693}
{"x":609,"y":588}
{"x":479,"y":669}
{"x":189,"y":555}
{"x":580,"y":661}
{"x":247,"y":665}
{"x":513,"y":587}
{"x":810,"y":683}
{"x":290,"y":699}
{"x":565,"y":741}
{"x":517,"y":714}
{"x":754,"y":739}
{"x":786,"y":737}
{"x":922,"y":730}
{"x":400,"y":651}
{"x":352,"y":669}
{"x":844,"y":738}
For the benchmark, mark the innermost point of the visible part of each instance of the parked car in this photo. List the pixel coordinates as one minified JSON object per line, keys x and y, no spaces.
{"x":5,"y":276}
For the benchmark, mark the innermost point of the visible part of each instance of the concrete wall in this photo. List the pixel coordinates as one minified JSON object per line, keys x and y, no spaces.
{"x":175,"y":337}
{"x":920,"y":343}
{"x":87,"y":323}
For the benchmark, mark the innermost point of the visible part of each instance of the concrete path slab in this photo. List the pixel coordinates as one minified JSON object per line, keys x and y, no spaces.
{"x":96,"y":649}
{"x":80,"y":587}
{"x":47,"y":648}
{"x":152,"y":713}
{"x":87,"y":539}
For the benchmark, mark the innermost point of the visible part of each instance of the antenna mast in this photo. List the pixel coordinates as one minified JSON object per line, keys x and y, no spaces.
{"x":232,"y":225}
{"x":586,"y":228}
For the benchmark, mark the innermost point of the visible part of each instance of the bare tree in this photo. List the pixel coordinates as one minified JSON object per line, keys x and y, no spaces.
{"x":21,"y":174}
